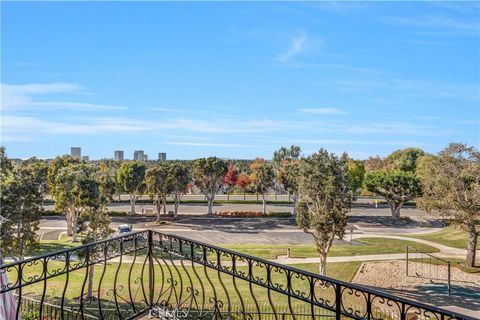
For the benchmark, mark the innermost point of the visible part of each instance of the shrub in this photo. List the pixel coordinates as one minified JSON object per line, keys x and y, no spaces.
{"x":253,"y":214}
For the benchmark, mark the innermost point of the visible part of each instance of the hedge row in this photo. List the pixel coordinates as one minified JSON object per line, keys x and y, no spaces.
{"x":253,"y":214}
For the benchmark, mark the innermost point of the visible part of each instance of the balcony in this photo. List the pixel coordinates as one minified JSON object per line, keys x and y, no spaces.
{"x":170,"y":277}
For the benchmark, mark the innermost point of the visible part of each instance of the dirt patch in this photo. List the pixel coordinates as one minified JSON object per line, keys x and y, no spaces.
{"x":426,"y":283}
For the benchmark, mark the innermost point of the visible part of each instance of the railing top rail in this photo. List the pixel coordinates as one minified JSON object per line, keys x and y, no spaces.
{"x":428,"y":254}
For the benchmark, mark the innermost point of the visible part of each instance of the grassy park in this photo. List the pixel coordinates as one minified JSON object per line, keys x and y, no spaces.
{"x":451,"y":236}
{"x":364,"y":246}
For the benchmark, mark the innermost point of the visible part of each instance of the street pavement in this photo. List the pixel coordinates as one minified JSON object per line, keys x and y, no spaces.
{"x":216,"y":230}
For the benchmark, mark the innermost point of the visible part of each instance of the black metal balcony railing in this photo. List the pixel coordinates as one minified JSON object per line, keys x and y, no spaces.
{"x":172,"y":277}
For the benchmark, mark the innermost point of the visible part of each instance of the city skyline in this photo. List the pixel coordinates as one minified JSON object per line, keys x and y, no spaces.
{"x":238,"y":80}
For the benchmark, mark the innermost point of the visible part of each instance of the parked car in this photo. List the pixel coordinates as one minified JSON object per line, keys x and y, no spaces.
{"x":125,"y":230}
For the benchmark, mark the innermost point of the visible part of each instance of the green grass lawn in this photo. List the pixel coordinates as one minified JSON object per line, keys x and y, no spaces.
{"x":449,"y":236}
{"x":367,"y":246}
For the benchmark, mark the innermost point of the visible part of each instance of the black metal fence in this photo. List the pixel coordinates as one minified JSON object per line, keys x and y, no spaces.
{"x":173,"y":277}
{"x":425,"y":265}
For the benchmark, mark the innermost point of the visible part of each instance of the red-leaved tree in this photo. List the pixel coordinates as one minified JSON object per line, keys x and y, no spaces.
{"x":230,"y":179}
{"x":243,"y":180}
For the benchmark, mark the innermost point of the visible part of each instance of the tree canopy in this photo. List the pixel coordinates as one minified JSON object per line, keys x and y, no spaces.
{"x":130,"y":179}
{"x":208,"y":174}
{"x":21,"y":206}
{"x":288,"y":176}
{"x":263,"y":179}
{"x":356,"y":174}
{"x":451,"y":187}
{"x":394,"y":177}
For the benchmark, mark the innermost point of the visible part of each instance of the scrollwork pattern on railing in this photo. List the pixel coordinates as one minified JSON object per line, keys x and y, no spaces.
{"x":173,"y":277}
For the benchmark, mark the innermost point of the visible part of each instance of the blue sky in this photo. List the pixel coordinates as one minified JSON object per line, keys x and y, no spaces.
{"x":238,"y":80}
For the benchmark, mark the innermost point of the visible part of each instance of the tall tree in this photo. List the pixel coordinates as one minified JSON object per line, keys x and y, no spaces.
{"x":451,"y":186}
{"x":263,"y":180}
{"x":356,"y":173}
{"x":284,"y":154}
{"x":243,"y":181}
{"x":179,"y":179}
{"x":280,"y":157}
{"x":158,"y":185}
{"x":130,"y":179}
{"x":53,"y":169}
{"x":208,"y":176}
{"x":396,"y":179}
{"x":403,"y":160}
{"x":397,"y":187}
{"x":39,"y":170}
{"x":106,"y":175}
{"x":373,"y":164}
{"x":96,"y":213}
{"x":74,"y":192}
{"x":289,"y":177}
{"x":325,"y":200}
{"x":230,"y":179}
{"x":21,"y":207}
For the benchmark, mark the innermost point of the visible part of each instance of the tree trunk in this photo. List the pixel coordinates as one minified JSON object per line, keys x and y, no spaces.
{"x":159,"y":208}
{"x":228,"y":195}
{"x":244,"y":196}
{"x":164,"y":204}
{"x":323,"y":264}
{"x":472,"y":245}
{"x":257,"y":196}
{"x":294,"y":212}
{"x":68,"y":216}
{"x":395,"y":208}
{"x":210,"y":205}
{"x":264,"y":204}
{"x":132,"y":203}
{"x":74,"y":227}
{"x":91,"y":273}
{"x":175,"y":210}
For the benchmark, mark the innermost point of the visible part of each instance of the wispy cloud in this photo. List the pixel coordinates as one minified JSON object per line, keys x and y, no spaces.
{"x":22,"y":96}
{"x":399,"y":128}
{"x":165,"y":109}
{"x":15,"y":126}
{"x":207,"y":144}
{"x":297,"y":46}
{"x":415,"y":88}
{"x":356,"y":142}
{"x":435,"y":22}
{"x":323,"y":111}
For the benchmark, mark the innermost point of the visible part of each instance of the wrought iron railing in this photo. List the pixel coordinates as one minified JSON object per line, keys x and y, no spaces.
{"x":173,"y":277}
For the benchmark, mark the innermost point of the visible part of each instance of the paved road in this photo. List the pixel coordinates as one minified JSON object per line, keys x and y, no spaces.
{"x":229,"y":230}
{"x":358,"y":209}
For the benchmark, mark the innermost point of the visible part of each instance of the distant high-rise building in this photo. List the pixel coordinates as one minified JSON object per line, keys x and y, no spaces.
{"x":162,"y":156}
{"x":138,"y":155}
{"x":85,"y":158}
{"x":145,"y":157}
{"x":76,"y":152}
{"x":118,"y":155}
